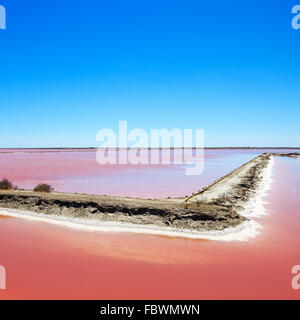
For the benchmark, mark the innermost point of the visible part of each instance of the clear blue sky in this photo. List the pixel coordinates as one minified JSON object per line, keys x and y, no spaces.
{"x":69,"y":68}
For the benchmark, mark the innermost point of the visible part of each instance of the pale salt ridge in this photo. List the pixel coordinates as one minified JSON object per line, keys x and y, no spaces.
{"x":244,"y":231}
{"x":255,"y":207}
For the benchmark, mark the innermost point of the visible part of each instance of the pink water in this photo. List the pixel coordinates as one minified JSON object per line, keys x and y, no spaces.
{"x":45,"y":261}
{"x":78,"y":171}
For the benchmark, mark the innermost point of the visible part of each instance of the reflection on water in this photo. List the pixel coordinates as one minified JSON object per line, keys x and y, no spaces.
{"x":46,"y":261}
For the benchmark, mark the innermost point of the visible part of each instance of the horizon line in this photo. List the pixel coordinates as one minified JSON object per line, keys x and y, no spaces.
{"x":117,"y":148}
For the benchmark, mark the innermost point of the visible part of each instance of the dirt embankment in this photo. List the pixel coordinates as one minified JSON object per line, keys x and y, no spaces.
{"x":214,"y":208}
{"x":289,"y":155}
{"x":156,"y":212}
{"x":234,"y":189}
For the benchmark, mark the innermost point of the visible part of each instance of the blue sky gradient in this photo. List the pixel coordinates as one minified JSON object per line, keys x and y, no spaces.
{"x":70,"y":68}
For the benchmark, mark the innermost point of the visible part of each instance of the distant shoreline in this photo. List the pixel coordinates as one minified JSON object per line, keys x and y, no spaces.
{"x":74,"y":149}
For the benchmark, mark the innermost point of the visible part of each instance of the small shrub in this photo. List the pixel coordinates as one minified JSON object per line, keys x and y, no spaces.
{"x":43,"y":187}
{"x":6,"y":185}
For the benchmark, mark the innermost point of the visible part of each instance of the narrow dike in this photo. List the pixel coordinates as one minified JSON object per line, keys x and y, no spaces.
{"x":214,"y":208}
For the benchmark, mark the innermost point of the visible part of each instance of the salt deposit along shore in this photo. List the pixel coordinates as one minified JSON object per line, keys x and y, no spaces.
{"x":221,"y":211}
